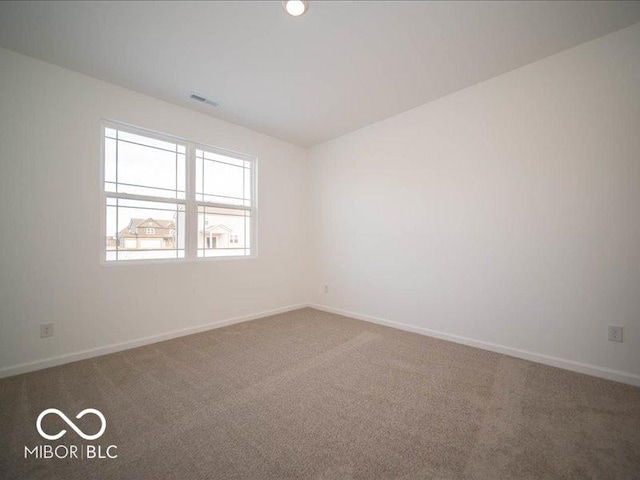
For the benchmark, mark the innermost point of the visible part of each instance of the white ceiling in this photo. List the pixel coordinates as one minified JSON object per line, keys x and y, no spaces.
{"x":339,"y":67}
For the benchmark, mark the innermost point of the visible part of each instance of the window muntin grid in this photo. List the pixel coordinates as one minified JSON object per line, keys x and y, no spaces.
{"x":187,"y":182}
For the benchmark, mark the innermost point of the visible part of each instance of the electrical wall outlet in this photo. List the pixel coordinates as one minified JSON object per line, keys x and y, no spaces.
{"x":46,"y":330}
{"x":326,"y":289}
{"x":615,"y":333}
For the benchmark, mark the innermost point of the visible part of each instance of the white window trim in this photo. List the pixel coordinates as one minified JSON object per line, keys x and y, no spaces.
{"x":191,"y":205}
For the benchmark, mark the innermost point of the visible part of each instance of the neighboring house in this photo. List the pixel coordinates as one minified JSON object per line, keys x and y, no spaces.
{"x":151,"y":234}
{"x":217,"y":236}
{"x":147,"y":234}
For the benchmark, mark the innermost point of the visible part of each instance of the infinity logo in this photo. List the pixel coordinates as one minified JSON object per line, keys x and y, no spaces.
{"x":71,"y":424}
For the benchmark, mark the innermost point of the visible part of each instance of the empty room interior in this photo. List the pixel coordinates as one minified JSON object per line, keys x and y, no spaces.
{"x":324,"y":240}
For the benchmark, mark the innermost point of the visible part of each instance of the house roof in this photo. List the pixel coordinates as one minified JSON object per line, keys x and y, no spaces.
{"x":147,"y":223}
{"x":220,"y":229}
{"x":137,"y":222}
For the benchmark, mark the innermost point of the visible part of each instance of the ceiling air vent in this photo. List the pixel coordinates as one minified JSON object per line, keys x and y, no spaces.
{"x":201,"y":99}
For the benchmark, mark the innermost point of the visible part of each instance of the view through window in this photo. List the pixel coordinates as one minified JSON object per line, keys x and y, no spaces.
{"x":155,"y":211}
{"x":223,"y":194}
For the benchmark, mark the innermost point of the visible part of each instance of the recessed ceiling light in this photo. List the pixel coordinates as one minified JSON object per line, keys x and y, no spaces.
{"x":295,"y":8}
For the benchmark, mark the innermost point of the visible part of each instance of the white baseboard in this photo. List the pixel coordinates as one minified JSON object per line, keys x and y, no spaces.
{"x":579,"y":367}
{"x":118,"y":347}
{"x":602,"y":372}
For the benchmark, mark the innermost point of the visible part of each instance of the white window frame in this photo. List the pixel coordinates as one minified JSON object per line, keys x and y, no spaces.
{"x":191,"y":205}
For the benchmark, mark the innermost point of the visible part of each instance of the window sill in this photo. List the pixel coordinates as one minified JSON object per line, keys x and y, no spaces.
{"x":161,"y":261}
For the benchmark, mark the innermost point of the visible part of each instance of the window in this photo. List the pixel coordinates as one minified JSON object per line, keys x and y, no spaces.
{"x":170,"y":198}
{"x":224,"y":202}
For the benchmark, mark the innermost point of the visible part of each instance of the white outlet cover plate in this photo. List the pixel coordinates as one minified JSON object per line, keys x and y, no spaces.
{"x":46,"y":330}
{"x":615,"y":333}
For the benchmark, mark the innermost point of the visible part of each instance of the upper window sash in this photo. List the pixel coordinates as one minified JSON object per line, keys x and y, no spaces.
{"x":223,"y":179}
{"x":129,"y":157}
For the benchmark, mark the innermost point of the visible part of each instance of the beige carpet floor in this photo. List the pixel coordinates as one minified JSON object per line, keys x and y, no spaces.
{"x":310,"y":395}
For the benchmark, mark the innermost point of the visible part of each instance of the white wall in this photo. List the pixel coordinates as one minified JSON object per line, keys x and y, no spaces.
{"x":508,"y":212}
{"x":50,"y":231}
